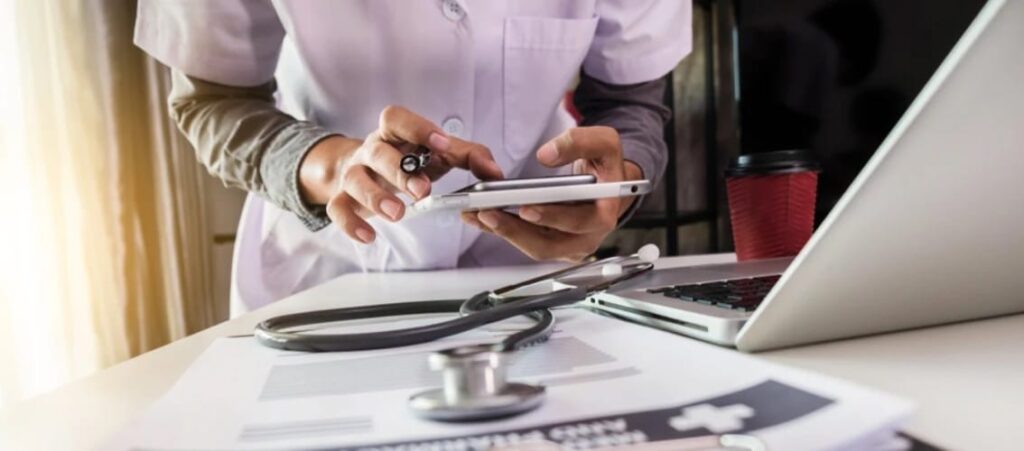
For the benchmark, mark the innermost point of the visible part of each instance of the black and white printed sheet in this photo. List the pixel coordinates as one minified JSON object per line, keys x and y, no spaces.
{"x":610,"y":383}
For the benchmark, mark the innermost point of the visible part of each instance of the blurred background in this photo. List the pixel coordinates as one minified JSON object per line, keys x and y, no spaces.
{"x":115,"y":241}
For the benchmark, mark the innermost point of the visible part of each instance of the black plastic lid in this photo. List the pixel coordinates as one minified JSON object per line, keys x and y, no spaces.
{"x":778,"y":162}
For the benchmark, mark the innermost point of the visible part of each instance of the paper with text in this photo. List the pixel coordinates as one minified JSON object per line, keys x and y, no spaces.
{"x":610,"y":383}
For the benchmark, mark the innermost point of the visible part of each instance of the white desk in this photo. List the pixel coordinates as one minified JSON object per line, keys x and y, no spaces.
{"x":967,"y":379}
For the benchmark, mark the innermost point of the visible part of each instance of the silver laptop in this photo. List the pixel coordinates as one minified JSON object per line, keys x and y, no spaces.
{"x":930,"y":232}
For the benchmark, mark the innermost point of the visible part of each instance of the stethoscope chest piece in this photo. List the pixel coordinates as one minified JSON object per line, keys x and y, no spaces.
{"x":474,"y":387}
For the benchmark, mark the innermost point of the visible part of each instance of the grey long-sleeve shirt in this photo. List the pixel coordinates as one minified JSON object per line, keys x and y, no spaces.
{"x":245,"y":141}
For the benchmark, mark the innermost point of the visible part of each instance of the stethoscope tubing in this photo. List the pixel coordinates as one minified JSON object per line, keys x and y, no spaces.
{"x":479,"y":310}
{"x":272,"y":332}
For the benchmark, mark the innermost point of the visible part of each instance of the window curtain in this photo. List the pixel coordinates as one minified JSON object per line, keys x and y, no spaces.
{"x":105,"y":251}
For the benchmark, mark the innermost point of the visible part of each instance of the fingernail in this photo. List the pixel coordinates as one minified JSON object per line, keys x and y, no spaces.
{"x":391,"y":208}
{"x":547,"y":153}
{"x":418,"y":187}
{"x":489,"y":218}
{"x":496,"y":169}
{"x":438,"y":141}
{"x":529,"y":214}
{"x":364,"y":235}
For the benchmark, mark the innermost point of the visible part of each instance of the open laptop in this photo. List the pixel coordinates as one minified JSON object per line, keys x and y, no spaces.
{"x":930,"y":232}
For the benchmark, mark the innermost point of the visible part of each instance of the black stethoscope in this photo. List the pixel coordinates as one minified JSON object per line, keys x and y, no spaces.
{"x":474,"y":376}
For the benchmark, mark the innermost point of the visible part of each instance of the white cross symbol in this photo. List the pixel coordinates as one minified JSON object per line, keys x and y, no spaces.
{"x":715,"y":419}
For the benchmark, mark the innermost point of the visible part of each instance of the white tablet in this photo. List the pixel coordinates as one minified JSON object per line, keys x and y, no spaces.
{"x":518,"y":192}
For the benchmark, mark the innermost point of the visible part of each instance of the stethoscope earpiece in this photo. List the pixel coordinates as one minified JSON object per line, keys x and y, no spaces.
{"x":649,"y":253}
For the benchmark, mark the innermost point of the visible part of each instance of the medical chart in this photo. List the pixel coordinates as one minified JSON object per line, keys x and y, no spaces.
{"x":609,"y":384}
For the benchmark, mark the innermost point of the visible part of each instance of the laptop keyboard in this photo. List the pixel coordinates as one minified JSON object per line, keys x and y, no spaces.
{"x":742,"y":295}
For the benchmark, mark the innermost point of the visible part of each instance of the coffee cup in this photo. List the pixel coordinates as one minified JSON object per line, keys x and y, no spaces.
{"x":771,"y":202}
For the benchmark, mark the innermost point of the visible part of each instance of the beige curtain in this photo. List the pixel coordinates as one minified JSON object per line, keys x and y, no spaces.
{"x":104,"y":247}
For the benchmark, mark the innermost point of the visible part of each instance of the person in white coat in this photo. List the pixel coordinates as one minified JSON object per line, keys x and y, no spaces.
{"x":309,"y":105}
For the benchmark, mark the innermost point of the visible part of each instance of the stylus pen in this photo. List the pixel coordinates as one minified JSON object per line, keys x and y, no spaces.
{"x":416,"y":161}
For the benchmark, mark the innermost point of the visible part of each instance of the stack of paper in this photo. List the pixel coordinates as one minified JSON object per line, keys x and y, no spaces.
{"x":610,"y":384}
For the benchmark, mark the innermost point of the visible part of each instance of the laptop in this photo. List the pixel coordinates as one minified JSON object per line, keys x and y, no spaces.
{"x":930,"y":232}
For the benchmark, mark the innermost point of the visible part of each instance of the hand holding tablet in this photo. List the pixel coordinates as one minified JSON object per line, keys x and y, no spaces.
{"x":518,"y":192}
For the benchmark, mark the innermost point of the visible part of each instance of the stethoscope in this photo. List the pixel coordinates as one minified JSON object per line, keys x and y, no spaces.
{"x":475,"y":385}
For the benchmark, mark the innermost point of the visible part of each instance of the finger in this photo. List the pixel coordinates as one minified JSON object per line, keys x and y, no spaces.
{"x":576,"y":219}
{"x":598,"y":148}
{"x":598,"y":144}
{"x":398,"y":124}
{"x":469,"y":217}
{"x":385,"y":160}
{"x":437,"y":167}
{"x":475,"y":157}
{"x":539,"y":243}
{"x":342,"y":210}
{"x":365,"y":189}
{"x":608,"y":209}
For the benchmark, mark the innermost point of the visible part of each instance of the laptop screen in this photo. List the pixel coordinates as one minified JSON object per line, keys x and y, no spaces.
{"x":834,"y":76}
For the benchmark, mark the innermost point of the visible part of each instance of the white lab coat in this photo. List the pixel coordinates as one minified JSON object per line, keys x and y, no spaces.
{"x":491,"y":71}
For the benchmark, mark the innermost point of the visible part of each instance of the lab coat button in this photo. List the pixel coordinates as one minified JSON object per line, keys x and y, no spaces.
{"x":453,"y":10}
{"x":453,"y":126}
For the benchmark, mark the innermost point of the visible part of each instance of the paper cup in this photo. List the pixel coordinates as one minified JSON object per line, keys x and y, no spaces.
{"x":771,"y":203}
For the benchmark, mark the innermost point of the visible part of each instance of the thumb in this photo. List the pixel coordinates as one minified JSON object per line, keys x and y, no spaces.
{"x":598,"y":144}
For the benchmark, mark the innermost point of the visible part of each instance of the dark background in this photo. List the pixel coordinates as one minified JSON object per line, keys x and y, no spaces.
{"x":834,"y":76}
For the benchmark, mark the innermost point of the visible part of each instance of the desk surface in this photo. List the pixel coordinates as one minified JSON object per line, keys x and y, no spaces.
{"x":967,"y":379}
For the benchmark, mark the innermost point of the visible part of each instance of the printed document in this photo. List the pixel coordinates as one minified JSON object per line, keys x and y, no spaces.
{"x":610,"y":384}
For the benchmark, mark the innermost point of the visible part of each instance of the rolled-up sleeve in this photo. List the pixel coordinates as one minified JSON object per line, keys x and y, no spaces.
{"x":246,"y":142}
{"x":637,"y":112}
{"x":223,"y":56}
{"x":622,"y":85}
